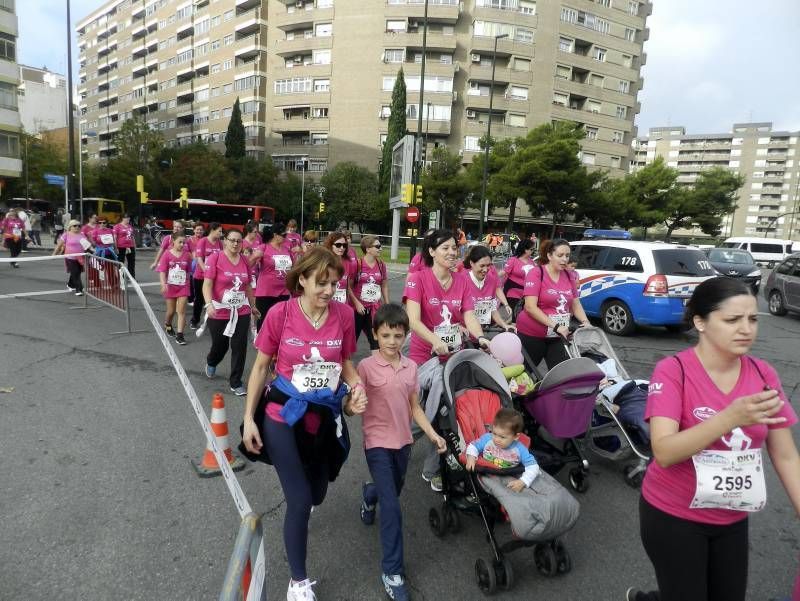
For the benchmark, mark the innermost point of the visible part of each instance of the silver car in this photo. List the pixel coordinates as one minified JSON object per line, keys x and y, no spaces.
{"x":782,"y":289}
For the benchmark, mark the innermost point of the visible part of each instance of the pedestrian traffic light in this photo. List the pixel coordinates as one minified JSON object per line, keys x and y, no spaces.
{"x":184,"y":202}
{"x":321,"y":207}
{"x":144,"y":197}
{"x":418,"y":194}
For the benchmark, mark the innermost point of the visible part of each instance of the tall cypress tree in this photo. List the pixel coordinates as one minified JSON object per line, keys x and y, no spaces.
{"x":397,"y":129}
{"x":234,"y":138}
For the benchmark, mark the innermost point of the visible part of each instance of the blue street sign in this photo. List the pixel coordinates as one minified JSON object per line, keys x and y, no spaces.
{"x":55,"y":180}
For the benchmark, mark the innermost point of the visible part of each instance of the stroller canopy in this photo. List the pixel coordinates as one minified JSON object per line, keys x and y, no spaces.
{"x":470,"y":369}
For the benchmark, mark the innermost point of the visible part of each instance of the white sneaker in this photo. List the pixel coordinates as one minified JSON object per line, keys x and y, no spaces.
{"x":301,"y":591}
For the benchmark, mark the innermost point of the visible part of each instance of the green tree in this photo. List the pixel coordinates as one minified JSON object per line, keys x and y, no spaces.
{"x":547,"y":172}
{"x":501,"y":191}
{"x":647,"y":194}
{"x":256,"y":180}
{"x":444,"y":184}
{"x":138,"y":144}
{"x":234,"y":138}
{"x":397,"y":129}
{"x":351,"y":196}
{"x":711,"y":198}
{"x":203,"y":170}
{"x":38,"y":157}
{"x":286,"y":199}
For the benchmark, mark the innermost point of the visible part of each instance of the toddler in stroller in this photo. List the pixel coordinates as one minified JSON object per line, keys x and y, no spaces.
{"x":475,"y":391}
{"x":618,"y":429}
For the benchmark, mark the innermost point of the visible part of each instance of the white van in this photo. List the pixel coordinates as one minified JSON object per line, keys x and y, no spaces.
{"x":767,"y":251}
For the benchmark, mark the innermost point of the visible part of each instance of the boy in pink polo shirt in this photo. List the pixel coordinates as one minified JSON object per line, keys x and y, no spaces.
{"x":390,"y":381}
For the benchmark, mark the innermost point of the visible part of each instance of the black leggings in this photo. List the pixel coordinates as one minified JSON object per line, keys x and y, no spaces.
{"x":199,"y":301}
{"x":264,"y":304}
{"x":364,"y":324}
{"x":130,"y":255}
{"x":75,"y":269}
{"x":220,"y":344}
{"x":552,"y":350}
{"x":694,"y":561}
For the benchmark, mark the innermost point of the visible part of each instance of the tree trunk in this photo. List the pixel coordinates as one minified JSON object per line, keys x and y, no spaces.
{"x":512,"y":210}
{"x":553,"y":229}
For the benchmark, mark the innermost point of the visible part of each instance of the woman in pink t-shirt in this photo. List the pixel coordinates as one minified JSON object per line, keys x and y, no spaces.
{"x":293,"y":241}
{"x":205,"y":247}
{"x":440,"y":308}
{"x":370,"y":287}
{"x":337,"y":243}
{"x":273,"y":261}
{"x":310,"y":340}
{"x":515,"y":271}
{"x":484,"y":287}
{"x":166,"y":241}
{"x":13,"y":234}
{"x":229,"y":303}
{"x":195,"y":285}
{"x":174,"y":273}
{"x":73,"y":242}
{"x":103,"y":239}
{"x":551,"y":300}
{"x":125,"y":241}
{"x":711,"y":408}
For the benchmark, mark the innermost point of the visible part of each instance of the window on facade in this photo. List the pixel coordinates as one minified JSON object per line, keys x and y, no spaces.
{"x":588,"y":158}
{"x":216,"y":68}
{"x":627,"y":60}
{"x":323,"y":30}
{"x":319,"y":112}
{"x":599,"y":54}
{"x":9,"y":145}
{"x":386,"y":111}
{"x":8,"y":96}
{"x":522,"y":64}
{"x":597,"y":80}
{"x":515,"y":120}
{"x":624,"y":86}
{"x":227,"y":40}
{"x":594,"y":106}
{"x":565,"y":44}
{"x":395,"y":26}
{"x":227,"y":64}
{"x":630,"y":34}
{"x":617,"y":137}
{"x":633,"y":7}
{"x":616,"y":162}
{"x":472,"y":143}
{"x":518,"y":93}
{"x":394,"y":55}
{"x":591,"y":133}
{"x":322,"y":57}
{"x":202,"y":95}
{"x":228,"y":15}
{"x":563,"y":72}
{"x":319,"y":139}
{"x":527,"y":7}
{"x":560,"y":99}
{"x":227,"y":88}
{"x":622,"y":112}
{"x":322,"y":85}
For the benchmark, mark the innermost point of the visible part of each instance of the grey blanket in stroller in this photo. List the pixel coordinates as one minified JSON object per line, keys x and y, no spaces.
{"x":541,"y":512}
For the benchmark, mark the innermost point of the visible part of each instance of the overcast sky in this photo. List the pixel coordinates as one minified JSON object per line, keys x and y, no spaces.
{"x":710,"y":63}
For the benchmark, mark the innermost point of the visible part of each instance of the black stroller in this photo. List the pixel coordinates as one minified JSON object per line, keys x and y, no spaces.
{"x":474,"y":390}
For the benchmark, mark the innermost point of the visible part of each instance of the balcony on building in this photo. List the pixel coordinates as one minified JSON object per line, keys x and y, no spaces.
{"x":138,"y":32}
{"x":306,"y":15}
{"x":139,"y":51}
{"x":184,"y":75}
{"x":202,"y":70}
{"x":502,"y":74}
{"x":303,"y":41}
{"x":439,"y":11}
{"x":184,"y":31}
{"x":478,"y":100}
{"x":106,"y":49}
{"x":184,"y":94}
{"x":106,"y":102}
{"x":508,"y":11}
{"x":107,"y":32}
{"x":476,"y":122}
{"x":311,"y":145}
{"x":412,"y":39}
{"x":249,"y":47}
{"x":248,"y":23}
{"x":137,"y":12}
{"x":245,"y":5}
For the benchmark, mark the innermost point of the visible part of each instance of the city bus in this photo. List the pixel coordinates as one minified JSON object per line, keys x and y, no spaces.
{"x":106,"y":208}
{"x":231,"y":216}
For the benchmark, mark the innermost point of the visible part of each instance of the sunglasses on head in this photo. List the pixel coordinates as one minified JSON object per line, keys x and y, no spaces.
{"x":340,"y":244}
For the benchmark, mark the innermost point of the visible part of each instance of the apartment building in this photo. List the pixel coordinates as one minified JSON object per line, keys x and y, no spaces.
{"x":767,"y":159}
{"x":10,"y":163}
{"x":42,"y":100}
{"x":315,"y":76}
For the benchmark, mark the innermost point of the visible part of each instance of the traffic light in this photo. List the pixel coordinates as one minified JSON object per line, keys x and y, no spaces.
{"x":140,"y":183}
{"x":184,"y":202}
{"x":144,"y":197}
{"x":321,"y":207}
{"x":407,"y":193}
{"x":418,"y":194}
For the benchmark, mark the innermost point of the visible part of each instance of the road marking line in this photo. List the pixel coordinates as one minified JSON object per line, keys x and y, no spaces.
{"x":46,"y":292}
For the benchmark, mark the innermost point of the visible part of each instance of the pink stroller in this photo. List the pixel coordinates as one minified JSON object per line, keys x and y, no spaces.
{"x":559,"y":410}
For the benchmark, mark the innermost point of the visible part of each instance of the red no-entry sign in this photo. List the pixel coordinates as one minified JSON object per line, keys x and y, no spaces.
{"x":412,"y":214}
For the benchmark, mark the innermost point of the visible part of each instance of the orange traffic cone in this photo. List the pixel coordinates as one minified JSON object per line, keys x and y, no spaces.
{"x":209,"y":467}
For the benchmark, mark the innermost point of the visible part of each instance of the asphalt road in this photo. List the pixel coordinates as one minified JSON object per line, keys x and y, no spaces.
{"x":99,"y":501}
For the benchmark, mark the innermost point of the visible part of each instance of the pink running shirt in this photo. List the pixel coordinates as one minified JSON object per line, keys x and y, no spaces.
{"x":516,"y":270}
{"x":416,"y":263}
{"x":365,"y":280}
{"x":689,"y":398}
{"x":204,"y":249}
{"x":484,"y":298}
{"x":554,"y":298}
{"x":438,"y":307}
{"x":273,"y":267}
{"x":124,"y":235}
{"x":173,"y":266}
{"x":228,"y":278}
{"x":102,"y":237}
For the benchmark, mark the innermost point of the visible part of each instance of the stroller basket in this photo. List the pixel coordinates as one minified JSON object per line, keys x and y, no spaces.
{"x":564,"y":401}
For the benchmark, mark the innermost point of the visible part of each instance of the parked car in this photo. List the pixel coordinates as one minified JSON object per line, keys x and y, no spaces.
{"x":782,"y":289}
{"x":766,"y":251}
{"x":625,"y":283}
{"x":737,"y":264}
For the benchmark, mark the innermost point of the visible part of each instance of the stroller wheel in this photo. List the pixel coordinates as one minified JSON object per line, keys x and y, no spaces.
{"x":451,"y":519}
{"x":545,"y":558}
{"x":504,"y":573}
{"x":635,"y":480}
{"x":578,"y":480}
{"x":562,"y":557}
{"x":437,"y":522}
{"x":484,"y":574}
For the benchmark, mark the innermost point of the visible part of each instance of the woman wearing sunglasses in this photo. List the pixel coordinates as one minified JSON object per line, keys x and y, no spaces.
{"x":337,"y":244}
{"x":103,"y":240}
{"x":273,"y":260}
{"x":370,"y":287}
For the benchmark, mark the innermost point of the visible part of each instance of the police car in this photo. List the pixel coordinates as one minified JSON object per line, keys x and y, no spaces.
{"x":625,"y":283}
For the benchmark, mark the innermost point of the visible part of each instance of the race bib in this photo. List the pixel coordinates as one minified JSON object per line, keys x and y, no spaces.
{"x":313,"y":376}
{"x":176,"y":276}
{"x":107,"y":239}
{"x":561,"y":319}
{"x":483,"y":311}
{"x":371,"y":293}
{"x":450,"y":334}
{"x":16,"y":231}
{"x":282,"y":262}
{"x":234,"y":298}
{"x":340,"y":295}
{"x":85,"y":244}
{"x":729,"y":480}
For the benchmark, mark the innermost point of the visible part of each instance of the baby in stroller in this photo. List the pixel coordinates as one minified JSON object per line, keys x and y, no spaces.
{"x":476,"y":399}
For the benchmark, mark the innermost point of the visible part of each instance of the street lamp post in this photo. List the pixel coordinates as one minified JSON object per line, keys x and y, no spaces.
{"x":488,"y":139}
{"x":89,"y":134}
{"x":302,"y":195}
{"x":417,"y":167}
